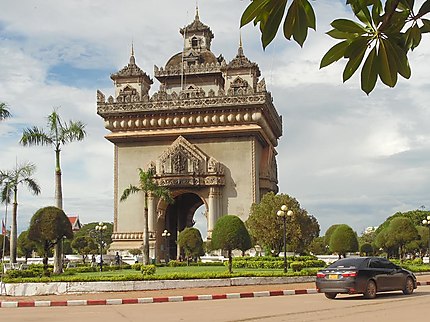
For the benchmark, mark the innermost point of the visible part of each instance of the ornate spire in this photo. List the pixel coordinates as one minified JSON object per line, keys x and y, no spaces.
{"x":197,"y":12}
{"x":240,"y":49}
{"x":131,"y":70}
{"x":241,"y":61}
{"x":132,"y":59}
{"x":197,"y":26}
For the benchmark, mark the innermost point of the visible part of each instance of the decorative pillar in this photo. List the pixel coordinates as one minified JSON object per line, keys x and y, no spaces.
{"x":151,"y":214}
{"x":213,"y":205}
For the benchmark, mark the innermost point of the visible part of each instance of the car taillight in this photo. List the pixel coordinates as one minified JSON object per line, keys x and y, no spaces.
{"x":349,"y":274}
{"x":320,"y":275}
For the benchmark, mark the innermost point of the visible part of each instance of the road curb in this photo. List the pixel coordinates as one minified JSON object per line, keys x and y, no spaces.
{"x":164,"y":299}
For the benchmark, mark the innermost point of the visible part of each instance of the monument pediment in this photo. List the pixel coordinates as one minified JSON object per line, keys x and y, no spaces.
{"x":184,"y":164}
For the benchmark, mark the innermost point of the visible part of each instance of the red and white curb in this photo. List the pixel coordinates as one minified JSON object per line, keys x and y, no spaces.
{"x":144,"y":300}
{"x":185,"y":298}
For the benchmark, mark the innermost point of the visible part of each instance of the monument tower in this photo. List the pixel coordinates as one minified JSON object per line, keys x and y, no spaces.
{"x":208,"y":134}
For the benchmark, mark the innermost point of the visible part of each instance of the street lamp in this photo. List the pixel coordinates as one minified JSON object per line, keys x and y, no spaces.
{"x":283,"y":213}
{"x":426,"y":222}
{"x":166,"y":236}
{"x":100,"y":228}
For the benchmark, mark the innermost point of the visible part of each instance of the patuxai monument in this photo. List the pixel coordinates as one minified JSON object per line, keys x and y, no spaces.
{"x":209,"y":134}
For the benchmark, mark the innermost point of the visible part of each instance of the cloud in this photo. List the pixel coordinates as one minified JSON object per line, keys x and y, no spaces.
{"x":348,"y":158}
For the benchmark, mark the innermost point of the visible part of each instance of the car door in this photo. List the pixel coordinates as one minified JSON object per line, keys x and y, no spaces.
{"x":395,"y":277}
{"x":380,"y":274}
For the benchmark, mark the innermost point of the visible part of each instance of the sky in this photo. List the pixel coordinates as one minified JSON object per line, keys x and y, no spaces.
{"x":346,"y":157}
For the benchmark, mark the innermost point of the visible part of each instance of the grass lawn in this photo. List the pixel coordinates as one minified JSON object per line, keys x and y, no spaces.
{"x":183,"y":270}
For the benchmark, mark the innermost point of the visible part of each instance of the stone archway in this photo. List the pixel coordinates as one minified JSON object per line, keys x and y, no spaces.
{"x":175,"y":218}
{"x":212,"y":133}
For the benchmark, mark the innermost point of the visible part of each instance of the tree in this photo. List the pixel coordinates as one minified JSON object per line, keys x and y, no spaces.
{"x":329,"y":232}
{"x":385,"y":33}
{"x":366,"y":249}
{"x":343,"y":240}
{"x":229,"y":234}
{"x":4,"y":112}
{"x":88,"y":230}
{"x":400,"y":231}
{"x":147,"y":185}
{"x":26,"y":247}
{"x":58,"y":134}
{"x":267,"y":228}
{"x":317,"y":246}
{"x":84,"y":245}
{"x":9,"y":183}
{"x":48,"y":227}
{"x":190,"y":240}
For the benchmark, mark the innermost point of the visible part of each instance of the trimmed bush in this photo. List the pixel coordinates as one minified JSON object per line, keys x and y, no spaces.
{"x":296,"y":266}
{"x":176,"y":263}
{"x":148,"y":269}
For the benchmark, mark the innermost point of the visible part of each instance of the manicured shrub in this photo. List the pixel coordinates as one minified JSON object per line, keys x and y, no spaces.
{"x":296,"y":266}
{"x":136,"y":266}
{"x":148,"y":269}
{"x":176,"y":263}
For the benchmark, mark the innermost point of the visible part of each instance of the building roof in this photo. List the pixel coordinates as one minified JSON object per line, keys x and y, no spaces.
{"x":74,"y":221}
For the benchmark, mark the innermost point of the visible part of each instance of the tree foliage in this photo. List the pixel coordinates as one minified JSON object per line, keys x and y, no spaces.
{"x":267,"y":228}
{"x":25,"y":245}
{"x":190,"y":240}
{"x":48,"y":227}
{"x":343,"y":240}
{"x":229,"y":234}
{"x":329,"y":232}
{"x":399,"y":232}
{"x":366,"y":249}
{"x":4,"y":111}
{"x":84,"y":245}
{"x":318,"y":246}
{"x":381,"y":36}
{"x":57,"y":134}
{"x":147,"y":185}
{"x":416,"y":216}
{"x":10,"y":180}
{"x":89,"y":230}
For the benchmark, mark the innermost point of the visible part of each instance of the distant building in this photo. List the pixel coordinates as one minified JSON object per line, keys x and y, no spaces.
{"x":370,"y":230}
{"x":76,"y":224}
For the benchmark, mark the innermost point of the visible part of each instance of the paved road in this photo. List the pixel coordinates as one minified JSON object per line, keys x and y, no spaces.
{"x":386,"y":307}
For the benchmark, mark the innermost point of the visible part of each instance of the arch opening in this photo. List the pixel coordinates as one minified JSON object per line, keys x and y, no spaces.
{"x":183,"y":213}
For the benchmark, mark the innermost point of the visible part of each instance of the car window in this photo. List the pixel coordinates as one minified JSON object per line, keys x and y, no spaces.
{"x":348,"y":263}
{"x":381,"y":263}
{"x":387,"y":264}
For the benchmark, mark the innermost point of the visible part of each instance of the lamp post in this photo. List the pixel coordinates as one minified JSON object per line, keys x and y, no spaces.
{"x":426,"y":222}
{"x":166,"y":236}
{"x":100,"y":228}
{"x":283,"y":213}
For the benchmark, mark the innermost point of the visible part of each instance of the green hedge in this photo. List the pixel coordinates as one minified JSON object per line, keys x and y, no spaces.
{"x":148,"y":270}
{"x":140,"y":277}
{"x":275,"y":262}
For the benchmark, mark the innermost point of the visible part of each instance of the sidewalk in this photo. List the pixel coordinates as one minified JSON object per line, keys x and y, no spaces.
{"x":130,"y":297}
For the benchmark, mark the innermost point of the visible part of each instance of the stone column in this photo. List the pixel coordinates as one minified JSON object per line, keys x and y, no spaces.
{"x":151,"y":213}
{"x":213,"y":205}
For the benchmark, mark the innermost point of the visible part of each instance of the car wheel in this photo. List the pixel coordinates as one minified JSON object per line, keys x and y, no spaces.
{"x":370,"y":292}
{"x":330,"y":296}
{"x":409,"y":286}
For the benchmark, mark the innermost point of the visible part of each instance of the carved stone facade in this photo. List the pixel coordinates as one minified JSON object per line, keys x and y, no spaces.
{"x":209,"y":134}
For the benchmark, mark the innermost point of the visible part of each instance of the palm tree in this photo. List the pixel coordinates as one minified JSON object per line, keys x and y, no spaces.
{"x":58,"y":134}
{"x":9,"y":182}
{"x":147,"y":185}
{"x":4,"y":112}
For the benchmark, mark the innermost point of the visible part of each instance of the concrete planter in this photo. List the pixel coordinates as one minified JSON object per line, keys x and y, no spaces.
{"x":32,"y":289}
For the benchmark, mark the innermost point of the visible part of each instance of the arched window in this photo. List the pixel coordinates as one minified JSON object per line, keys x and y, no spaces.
{"x":195,"y":42}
